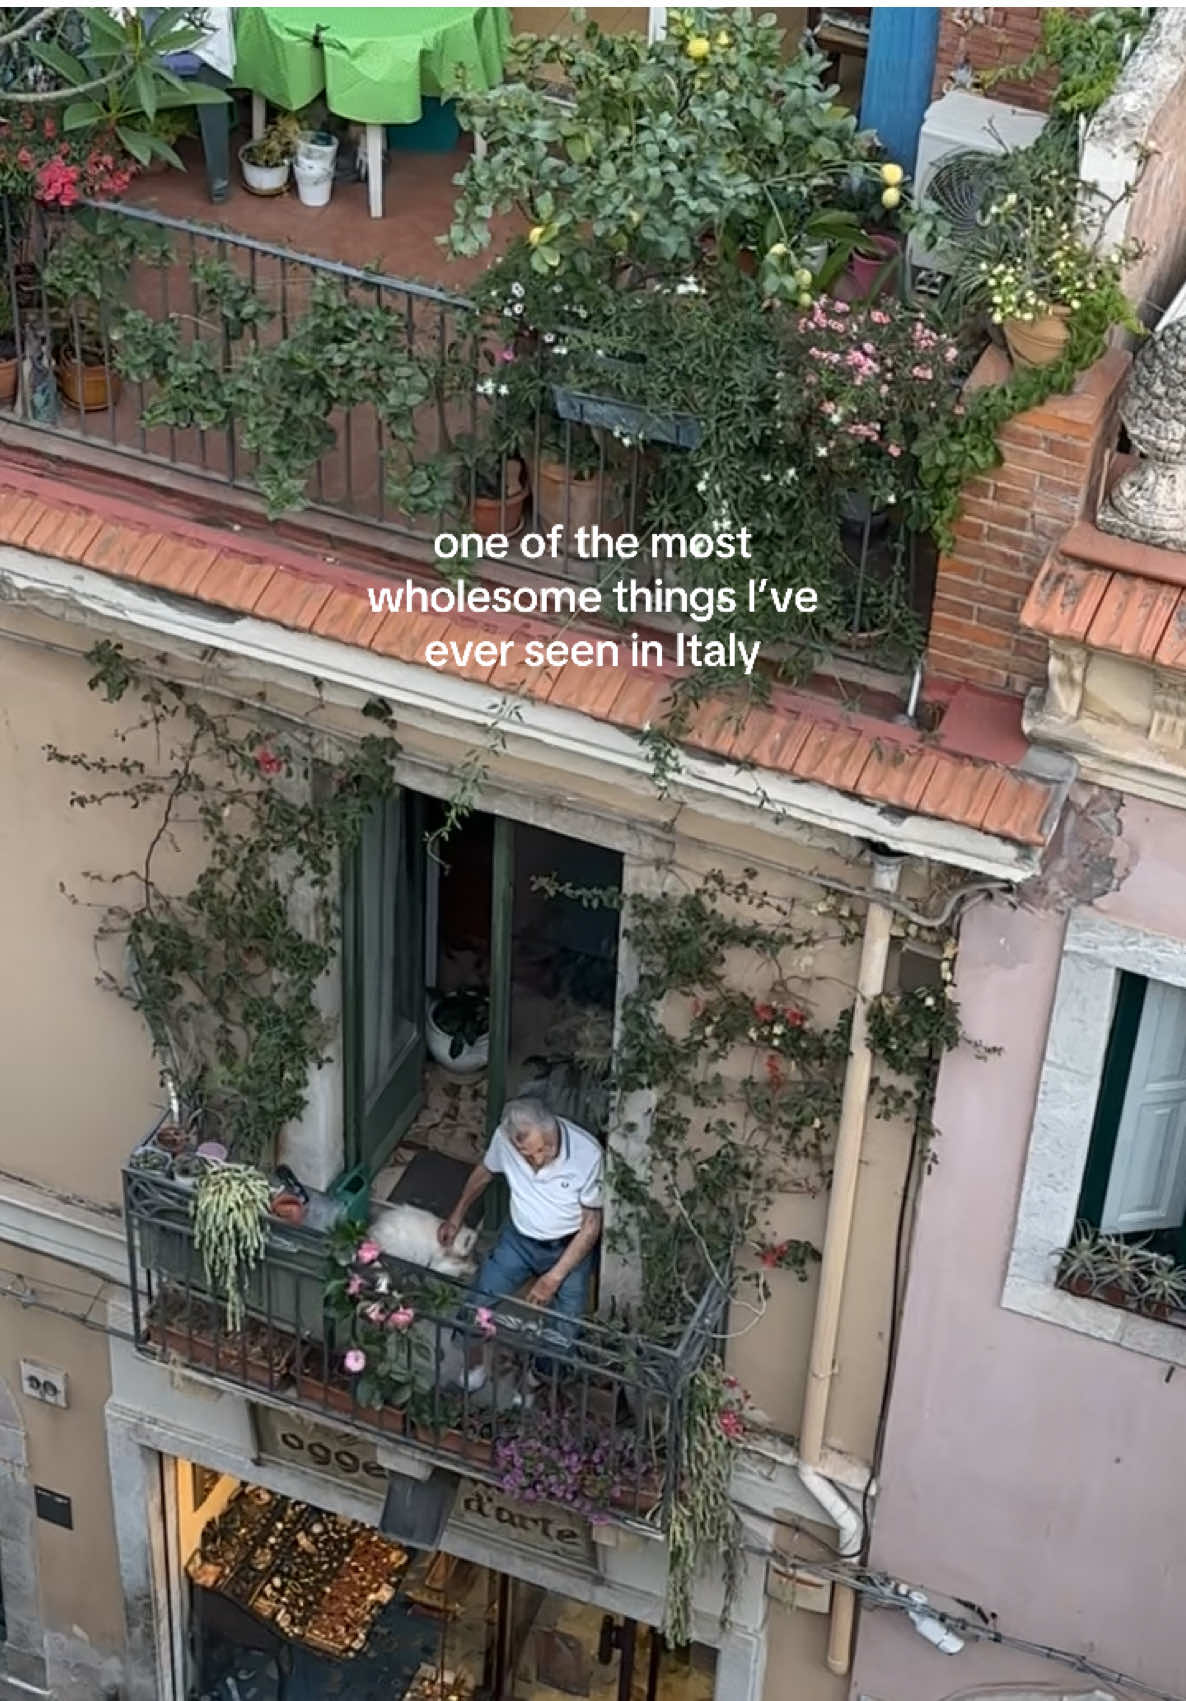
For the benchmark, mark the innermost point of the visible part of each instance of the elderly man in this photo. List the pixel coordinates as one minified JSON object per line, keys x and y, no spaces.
{"x":553,"y":1171}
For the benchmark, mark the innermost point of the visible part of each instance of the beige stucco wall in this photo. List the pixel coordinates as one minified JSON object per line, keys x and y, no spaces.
{"x":79,"y":1584}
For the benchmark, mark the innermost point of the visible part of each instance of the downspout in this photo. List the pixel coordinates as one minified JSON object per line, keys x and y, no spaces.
{"x":846,"y":1164}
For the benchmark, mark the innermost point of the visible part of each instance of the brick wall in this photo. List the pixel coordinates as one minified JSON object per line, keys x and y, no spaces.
{"x":1008,"y":521}
{"x":983,"y":38}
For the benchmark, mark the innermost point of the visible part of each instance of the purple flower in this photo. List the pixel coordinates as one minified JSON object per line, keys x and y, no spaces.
{"x":355,"y":1360}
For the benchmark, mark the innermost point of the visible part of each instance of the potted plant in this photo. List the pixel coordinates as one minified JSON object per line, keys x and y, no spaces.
{"x":266,"y":159}
{"x":457,"y":1029}
{"x":1163,"y":1290}
{"x":185,"y":1326}
{"x":229,"y":1207}
{"x":1035,"y":276}
{"x":85,"y":279}
{"x":573,"y":481}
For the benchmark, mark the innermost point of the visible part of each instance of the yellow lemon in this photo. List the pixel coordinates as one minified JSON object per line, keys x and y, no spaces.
{"x":890,"y":197}
{"x":804,"y":278}
{"x":777,"y":252}
{"x":699,"y":47}
{"x":535,"y":235}
{"x":892,"y":174}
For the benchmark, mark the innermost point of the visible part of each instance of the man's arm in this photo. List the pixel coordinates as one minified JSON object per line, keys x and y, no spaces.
{"x":545,"y":1288}
{"x":476,"y":1184}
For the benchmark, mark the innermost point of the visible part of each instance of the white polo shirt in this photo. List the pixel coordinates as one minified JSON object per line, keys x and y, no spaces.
{"x":546,"y":1203}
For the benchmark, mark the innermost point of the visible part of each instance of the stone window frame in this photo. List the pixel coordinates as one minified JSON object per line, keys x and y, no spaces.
{"x":22,"y":1655}
{"x":1095,"y":952}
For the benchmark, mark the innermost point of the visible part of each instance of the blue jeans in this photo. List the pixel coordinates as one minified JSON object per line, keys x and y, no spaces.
{"x":514,"y":1259}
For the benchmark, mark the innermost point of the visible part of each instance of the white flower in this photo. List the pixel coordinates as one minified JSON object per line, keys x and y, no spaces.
{"x":702,"y":484}
{"x":561,"y":348}
{"x":767,"y":478}
{"x":517,"y":308}
{"x":504,"y":389}
{"x":518,"y":291}
{"x":821,"y":449}
{"x":549,"y":337}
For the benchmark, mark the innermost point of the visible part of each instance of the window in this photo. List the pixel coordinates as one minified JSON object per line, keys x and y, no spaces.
{"x":1135,"y":1179}
{"x":1108,"y":1139}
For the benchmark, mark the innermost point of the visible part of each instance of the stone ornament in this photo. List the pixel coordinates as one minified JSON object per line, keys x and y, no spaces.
{"x":1149,"y":502}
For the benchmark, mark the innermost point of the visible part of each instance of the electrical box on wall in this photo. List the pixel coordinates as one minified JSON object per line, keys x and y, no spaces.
{"x":797,"y":1588}
{"x":43,"y":1382}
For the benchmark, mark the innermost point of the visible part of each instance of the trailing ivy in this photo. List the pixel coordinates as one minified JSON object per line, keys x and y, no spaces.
{"x":221,"y":970}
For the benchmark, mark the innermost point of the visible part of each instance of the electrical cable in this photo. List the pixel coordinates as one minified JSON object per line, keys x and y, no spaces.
{"x":884,"y":1591}
{"x":28,"y":1300}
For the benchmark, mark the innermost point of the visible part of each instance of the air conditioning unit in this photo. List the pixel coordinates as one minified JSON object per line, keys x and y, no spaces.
{"x":956,"y":126}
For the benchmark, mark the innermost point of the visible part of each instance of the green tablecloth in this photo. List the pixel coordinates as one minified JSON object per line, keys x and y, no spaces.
{"x":372,"y":63}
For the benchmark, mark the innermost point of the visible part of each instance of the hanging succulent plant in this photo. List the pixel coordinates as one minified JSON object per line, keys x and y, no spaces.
{"x":230,"y":1205}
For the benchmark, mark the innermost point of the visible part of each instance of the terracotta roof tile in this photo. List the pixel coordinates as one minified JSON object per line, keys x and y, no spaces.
{"x":121,"y":549}
{"x":1171,"y":652}
{"x":960,"y":791}
{"x":177,"y":566}
{"x":1019,"y":807}
{"x":1064,"y":598}
{"x":407,"y":636}
{"x":291,"y":601}
{"x":898,"y":774}
{"x":18,"y":515}
{"x":641,"y":700}
{"x":235,"y":581}
{"x":62,"y":531}
{"x":1132,"y":616}
{"x":348,"y":618}
{"x":832,"y":756}
{"x":780,"y":745}
{"x":789,"y":735}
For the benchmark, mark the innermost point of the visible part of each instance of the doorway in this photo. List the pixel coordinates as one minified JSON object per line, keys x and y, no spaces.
{"x":510,"y":922}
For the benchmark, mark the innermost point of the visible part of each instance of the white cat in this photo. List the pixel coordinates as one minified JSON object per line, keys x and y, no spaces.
{"x":407,"y":1232}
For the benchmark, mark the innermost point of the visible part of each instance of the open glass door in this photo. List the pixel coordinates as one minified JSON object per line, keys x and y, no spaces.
{"x":383,"y":978}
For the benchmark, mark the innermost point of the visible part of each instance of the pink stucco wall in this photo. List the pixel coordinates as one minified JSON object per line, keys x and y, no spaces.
{"x":1028,"y":1468}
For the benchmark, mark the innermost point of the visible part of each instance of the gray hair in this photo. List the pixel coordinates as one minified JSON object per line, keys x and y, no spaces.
{"x":521,"y":1117}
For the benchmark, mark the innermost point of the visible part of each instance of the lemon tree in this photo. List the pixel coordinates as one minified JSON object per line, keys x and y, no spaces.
{"x":658,"y":155}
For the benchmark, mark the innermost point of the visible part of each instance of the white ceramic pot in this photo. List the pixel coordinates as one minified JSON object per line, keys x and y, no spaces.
{"x":263,"y":179}
{"x":470,"y":1060}
{"x":318,"y":148}
{"x":314,"y":181}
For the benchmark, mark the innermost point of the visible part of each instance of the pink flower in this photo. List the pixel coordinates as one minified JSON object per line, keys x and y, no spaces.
{"x":764,"y":1012}
{"x":368,"y":1252}
{"x":506,"y":355}
{"x":354,"y":1286}
{"x":355,"y":1360}
{"x":267,"y":761}
{"x":484,"y":1318}
{"x":373,"y":1313}
{"x":732,"y":1425}
{"x":401,"y":1318}
{"x":895,"y":449}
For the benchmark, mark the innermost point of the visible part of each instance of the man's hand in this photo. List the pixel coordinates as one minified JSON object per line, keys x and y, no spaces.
{"x":447,"y":1232}
{"x":543,"y":1290}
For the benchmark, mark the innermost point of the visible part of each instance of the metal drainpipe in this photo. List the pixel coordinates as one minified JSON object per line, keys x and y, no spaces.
{"x":841,"y":1206}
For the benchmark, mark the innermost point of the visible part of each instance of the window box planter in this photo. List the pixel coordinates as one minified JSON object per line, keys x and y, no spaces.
{"x":679,"y":430}
{"x":478,"y":1449}
{"x":185,"y":1331}
{"x":337,"y":1395}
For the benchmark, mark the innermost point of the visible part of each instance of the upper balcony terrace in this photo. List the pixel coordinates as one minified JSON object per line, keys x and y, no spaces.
{"x":292,"y":294}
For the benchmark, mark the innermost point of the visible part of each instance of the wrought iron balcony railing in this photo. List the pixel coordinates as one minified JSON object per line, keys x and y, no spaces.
{"x":591,"y":1423}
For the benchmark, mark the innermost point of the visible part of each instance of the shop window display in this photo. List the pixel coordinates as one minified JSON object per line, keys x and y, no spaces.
{"x":288,"y":1602}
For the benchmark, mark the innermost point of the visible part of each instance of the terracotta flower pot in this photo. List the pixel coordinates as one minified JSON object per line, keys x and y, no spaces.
{"x":288,"y":1207}
{"x":171,"y":1138}
{"x":9,"y":377}
{"x":563,"y":500}
{"x":1037,"y":342}
{"x":489,"y":514}
{"x":85,"y":386}
{"x":871,"y":272}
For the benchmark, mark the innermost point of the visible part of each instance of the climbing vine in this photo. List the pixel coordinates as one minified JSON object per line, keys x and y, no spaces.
{"x":218,"y":965}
